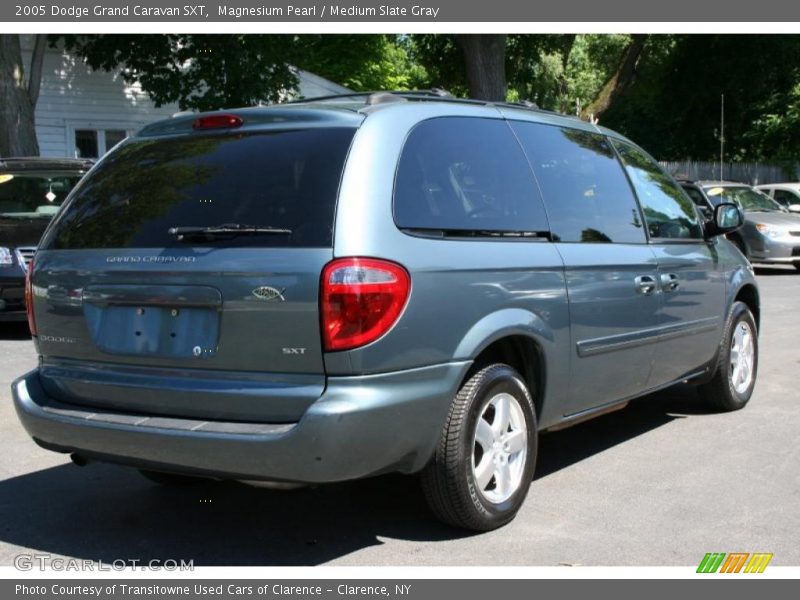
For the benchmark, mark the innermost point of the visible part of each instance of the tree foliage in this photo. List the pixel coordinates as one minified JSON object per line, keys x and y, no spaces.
{"x":360,"y":62}
{"x":206,"y":72}
{"x":195,"y":70}
{"x":674,"y":108}
{"x":662,"y":90}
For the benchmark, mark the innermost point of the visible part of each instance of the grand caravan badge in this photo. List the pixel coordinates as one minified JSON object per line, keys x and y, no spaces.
{"x":151,"y":259}
{"x":269,"y":293}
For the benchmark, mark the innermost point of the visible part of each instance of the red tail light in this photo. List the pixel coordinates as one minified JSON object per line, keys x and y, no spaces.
{"x":217,"y":122}
{"x":361,"y":299}
{"x":29,"y":299}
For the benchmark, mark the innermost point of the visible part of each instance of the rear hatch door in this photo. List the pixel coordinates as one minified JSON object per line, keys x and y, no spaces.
{"x":183,"y":276}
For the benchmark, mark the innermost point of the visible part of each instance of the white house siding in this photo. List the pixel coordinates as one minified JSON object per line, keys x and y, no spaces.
{"x":74,"y":97}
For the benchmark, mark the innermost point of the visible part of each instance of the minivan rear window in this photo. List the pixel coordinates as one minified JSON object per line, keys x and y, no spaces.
{"x":285,"y":179}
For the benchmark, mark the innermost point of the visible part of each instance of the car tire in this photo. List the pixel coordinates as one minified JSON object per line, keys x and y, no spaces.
{"x":737,"y":362}
{"x":172,"y":479}
{"x":461,"y":487}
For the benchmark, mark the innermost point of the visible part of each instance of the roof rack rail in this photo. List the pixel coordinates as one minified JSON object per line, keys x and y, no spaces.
{"x":384,"y":98}
{"x":433,"y":95}
{"x":524,"y":104}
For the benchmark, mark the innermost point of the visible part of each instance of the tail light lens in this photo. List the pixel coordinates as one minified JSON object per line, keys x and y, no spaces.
{"x":361,"y":300}
{"x":29,"y":299}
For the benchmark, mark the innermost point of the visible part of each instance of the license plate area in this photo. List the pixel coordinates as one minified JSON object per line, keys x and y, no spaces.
{"x":155,"y":321}
{"x":155,"y":330}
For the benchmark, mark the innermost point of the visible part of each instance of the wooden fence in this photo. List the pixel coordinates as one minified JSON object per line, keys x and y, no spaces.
{"x":746,"y":172}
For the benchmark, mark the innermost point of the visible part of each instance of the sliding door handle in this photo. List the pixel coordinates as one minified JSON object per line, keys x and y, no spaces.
{"x":669,"y":282}
{"x":645,"y":284}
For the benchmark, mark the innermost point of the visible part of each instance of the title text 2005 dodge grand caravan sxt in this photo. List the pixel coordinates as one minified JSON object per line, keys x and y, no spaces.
{"x":325,"y":291}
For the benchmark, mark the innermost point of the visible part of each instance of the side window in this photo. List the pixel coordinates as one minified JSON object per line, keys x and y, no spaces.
{"x":587,"y":196}
{"x":786,"y":198}
{"x":699,"y":201}
{"x":667,"y":209}
{"x":94,"y":143}
{"x":466,"y":174}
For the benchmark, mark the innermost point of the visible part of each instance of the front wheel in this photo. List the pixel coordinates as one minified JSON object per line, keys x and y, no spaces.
{"x":737,"y":364}
{"x":483,"y":466}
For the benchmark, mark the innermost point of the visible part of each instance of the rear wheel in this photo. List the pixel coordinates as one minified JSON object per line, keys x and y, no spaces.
{"x":737,"y":364}
{"x":483,"y":466}
{"x":171,"y":479}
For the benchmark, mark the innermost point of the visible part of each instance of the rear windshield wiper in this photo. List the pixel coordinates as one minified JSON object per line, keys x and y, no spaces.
{"x":226,"y":230}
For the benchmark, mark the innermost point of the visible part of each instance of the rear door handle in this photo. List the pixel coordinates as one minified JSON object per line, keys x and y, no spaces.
{"x":645,"y":284}
{"x":669,"y":282}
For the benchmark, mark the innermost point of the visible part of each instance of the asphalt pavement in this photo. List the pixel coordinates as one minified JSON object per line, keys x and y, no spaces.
{"x":659,"y":483}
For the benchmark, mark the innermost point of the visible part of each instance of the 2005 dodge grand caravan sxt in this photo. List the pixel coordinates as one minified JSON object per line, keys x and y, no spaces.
{"x":328,"y":290}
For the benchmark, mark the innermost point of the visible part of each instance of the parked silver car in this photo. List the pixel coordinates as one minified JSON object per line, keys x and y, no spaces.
{"x":771,"y":234}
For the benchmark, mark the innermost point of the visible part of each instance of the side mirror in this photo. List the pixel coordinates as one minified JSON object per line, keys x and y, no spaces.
{"x":727,"y":218}
{"x":795,"y":208}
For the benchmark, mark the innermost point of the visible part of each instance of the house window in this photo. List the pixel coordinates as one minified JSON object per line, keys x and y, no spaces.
{"x":94,"y":143}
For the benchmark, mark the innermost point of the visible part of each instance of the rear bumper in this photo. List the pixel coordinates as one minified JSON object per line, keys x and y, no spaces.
{"x":361,"y":426}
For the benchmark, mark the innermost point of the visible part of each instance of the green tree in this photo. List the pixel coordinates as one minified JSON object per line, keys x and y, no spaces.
{"x":441,"y":61}
{"x":552,"y":70}
{"x":196,"y":71}
{"x":775,"y":133}
{"x":207,"y":72}
{"x":673,"y":108}
{"x":361,"y":62}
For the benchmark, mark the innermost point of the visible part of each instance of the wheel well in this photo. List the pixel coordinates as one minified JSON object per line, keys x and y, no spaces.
{"x":749,"y":295}
{"x":523,"y":354}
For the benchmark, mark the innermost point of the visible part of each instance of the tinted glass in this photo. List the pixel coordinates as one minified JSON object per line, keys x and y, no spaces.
{"x":699,"y":201}
{"x":667,"y":209}
{"x":696,"y":196}
{"x":466,"y":174}
{"x":28,"y":195}
{"x":786,"y":197}
{"x":743,"y":196}
{"x":587,"y":196}
{"x":286,"y":179}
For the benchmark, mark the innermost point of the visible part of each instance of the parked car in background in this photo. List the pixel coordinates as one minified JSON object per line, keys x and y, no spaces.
{"x":335,"y":289}
{"x":31,"y":192}
{"x":770,"y":235}
{"x":785,"y":194}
